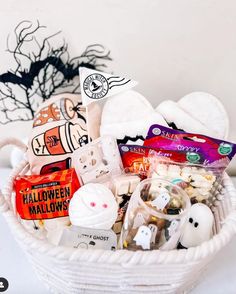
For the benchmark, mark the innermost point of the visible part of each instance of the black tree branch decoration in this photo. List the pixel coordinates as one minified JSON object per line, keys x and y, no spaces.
{"x":40,"y":71}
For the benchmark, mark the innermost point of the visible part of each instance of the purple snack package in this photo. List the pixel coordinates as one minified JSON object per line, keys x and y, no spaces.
{"x":211,"y":149}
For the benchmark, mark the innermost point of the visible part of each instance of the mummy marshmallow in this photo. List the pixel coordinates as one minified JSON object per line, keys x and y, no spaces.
{"x":93,"y":206}
{"x":97,"y":160}
{"x":128,"y":116}
{"x":198,"y":227}
{"x":197,"y":112}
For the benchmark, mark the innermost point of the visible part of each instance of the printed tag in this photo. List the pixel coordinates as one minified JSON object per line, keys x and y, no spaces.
{"x":87,"y":238}
{"x":96,"y":85}
{"x":45,"y":196}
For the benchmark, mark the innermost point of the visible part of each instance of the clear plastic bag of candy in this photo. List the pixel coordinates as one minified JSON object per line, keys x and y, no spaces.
{"x":199,"y":181}
{"x":155,"y":215}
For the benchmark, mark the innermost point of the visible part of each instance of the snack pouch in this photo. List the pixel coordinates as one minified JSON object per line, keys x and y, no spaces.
{"x":136,"y":159}
{"x":98,"y":160}
{"x":40,"y":197}
{"x":60,"y":127}
{"x":199,"y":149}
{"x":155,"y":215}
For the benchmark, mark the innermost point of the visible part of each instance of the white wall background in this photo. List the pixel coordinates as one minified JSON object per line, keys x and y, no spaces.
{"x":170,"y":47}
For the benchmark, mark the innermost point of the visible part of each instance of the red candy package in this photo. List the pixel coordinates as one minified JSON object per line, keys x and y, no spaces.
{"x":136,"y":159}
{"x":45,"y":196}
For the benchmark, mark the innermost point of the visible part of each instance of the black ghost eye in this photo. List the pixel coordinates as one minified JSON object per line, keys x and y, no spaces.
{"x":196,"y":225}
{"x":190,"y":220}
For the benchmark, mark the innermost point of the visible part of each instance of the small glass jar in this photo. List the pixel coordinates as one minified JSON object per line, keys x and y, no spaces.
{"x":155,"y":215}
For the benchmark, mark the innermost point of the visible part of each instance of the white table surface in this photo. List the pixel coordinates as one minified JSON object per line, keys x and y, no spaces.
{"x":220,"y":277}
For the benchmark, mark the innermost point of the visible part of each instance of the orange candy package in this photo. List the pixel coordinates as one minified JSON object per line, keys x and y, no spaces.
{"x":45,"y":196}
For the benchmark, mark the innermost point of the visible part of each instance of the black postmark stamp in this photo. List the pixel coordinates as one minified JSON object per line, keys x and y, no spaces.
{"x":96,"y":86}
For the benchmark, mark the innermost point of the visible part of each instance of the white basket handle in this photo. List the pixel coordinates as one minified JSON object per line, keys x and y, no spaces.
{"x":4,"y":202}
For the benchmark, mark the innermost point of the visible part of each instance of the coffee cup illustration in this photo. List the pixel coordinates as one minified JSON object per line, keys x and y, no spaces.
{"x":64,"y":109}
{"x":60,"y":140}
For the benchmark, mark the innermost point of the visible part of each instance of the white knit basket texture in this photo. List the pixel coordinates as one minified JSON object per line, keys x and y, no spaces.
{"x":69,"y":270}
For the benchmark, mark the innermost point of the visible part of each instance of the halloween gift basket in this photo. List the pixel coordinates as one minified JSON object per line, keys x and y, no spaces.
{"x":125,"y":205}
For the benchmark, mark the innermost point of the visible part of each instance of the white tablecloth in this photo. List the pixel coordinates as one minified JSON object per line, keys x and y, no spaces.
{"x":220,"y":276}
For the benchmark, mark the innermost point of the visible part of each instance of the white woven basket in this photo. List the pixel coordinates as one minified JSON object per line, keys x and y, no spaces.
{"x":68,"y":270}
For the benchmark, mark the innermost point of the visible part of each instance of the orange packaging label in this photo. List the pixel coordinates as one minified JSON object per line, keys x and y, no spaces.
{"x":45,"y":196}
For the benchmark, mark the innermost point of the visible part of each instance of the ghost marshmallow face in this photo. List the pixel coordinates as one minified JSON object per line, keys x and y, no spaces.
{"x":143,"y":237}
{"x":198,"y":227}
{"x":93,"y":206}
{"x":161,"y":200}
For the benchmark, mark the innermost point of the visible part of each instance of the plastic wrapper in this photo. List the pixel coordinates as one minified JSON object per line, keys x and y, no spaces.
{"x":40,"y":197}
{"x":199,"y":149}
{"x":136,"y":158}
{"x":199,"y":182}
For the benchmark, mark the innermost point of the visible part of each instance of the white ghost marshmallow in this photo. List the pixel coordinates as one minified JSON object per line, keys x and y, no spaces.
{"x":93,"y":206}
{"x":198,"y":227}
{"x":161,"y":200}
{"x":143,"y":237}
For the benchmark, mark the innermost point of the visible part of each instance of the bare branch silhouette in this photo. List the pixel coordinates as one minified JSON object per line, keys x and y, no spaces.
{"x":41,"y":70}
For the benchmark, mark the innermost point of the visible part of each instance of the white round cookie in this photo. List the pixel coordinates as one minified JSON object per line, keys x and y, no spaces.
{"x":128,"y":114}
